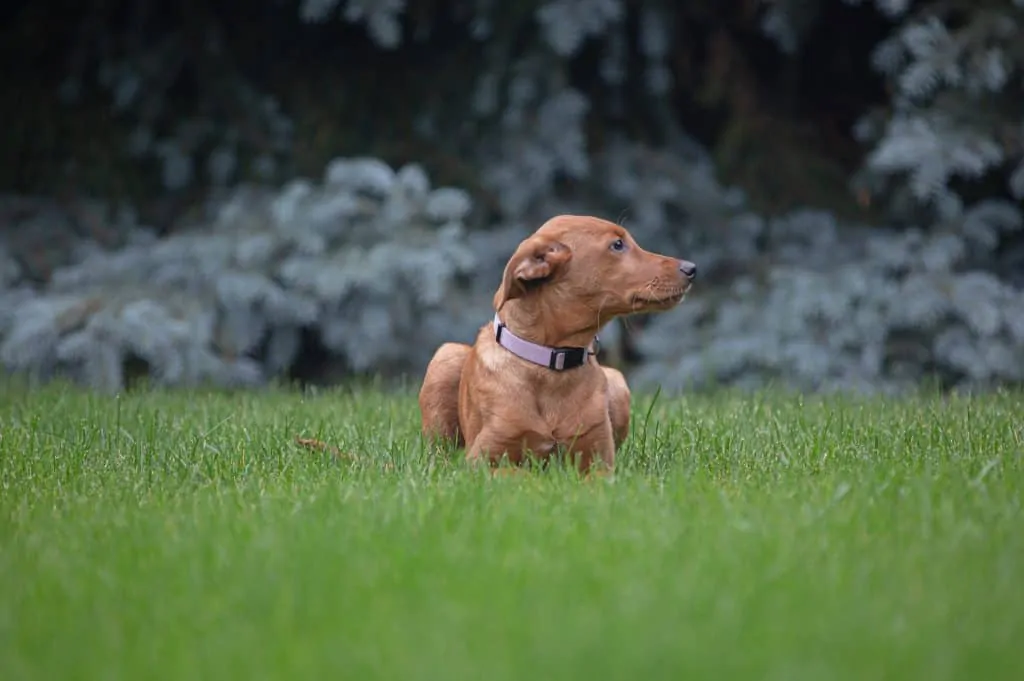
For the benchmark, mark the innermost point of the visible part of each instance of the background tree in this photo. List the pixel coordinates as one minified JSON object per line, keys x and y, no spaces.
{"x":870,"y":151}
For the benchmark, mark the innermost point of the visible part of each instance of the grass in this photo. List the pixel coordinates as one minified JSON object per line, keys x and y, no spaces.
{"x":182,"y":536}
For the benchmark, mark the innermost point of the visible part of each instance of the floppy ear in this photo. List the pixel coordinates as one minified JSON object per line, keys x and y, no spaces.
{"x":536,"y":260}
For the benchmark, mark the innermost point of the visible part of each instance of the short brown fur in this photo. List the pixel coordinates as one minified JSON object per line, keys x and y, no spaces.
{"x":560,"y":287}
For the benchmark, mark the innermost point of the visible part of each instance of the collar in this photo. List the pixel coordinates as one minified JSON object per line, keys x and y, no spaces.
{"x":557,"y":359}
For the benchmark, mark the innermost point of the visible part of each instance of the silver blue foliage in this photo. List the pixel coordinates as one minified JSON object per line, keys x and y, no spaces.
{"x":380,"y":17}
{"x":565,"y":24}
{"x":364,"y":259}
{"x":824,"y":306}
{"x":957,"y":111}
{"x":380,"y":267}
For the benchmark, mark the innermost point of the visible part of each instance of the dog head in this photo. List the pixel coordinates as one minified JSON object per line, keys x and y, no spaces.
{"x":588,"y":267}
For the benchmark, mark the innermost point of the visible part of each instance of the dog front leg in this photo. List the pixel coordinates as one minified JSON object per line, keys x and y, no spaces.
{"x":491,"y":447}
{"x":594,"y":452}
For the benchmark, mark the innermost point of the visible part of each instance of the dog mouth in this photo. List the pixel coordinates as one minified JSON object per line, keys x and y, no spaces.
{"x":659,"y":300}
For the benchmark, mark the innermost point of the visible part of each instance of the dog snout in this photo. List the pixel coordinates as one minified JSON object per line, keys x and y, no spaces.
{"x":688,"y":269}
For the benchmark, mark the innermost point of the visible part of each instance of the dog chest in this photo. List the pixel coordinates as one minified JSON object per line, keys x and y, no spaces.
{"x":567,"y":423}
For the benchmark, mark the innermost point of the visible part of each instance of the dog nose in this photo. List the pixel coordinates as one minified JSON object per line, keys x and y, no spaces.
{"x":688,"y":269}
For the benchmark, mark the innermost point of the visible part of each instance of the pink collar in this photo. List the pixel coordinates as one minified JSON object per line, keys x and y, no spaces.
{"x":558,"y":359}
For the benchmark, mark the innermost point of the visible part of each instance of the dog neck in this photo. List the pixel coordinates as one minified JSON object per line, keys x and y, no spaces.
{"x":538,"y":320}
{"x":554,"y":358}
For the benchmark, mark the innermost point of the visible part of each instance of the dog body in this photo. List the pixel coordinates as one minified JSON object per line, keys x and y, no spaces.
{"x":530,"y":383}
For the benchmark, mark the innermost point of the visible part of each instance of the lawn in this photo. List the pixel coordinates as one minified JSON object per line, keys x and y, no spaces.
{"x":771,"y":537}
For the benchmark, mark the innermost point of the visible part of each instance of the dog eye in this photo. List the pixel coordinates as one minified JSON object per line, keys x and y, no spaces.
{"x":618,"y":245}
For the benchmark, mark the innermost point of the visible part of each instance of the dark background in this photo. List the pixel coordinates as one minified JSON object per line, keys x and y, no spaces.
{"x":775,"y":114}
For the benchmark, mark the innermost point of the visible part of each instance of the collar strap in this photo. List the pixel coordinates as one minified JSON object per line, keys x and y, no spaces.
{"x":558,"y":359}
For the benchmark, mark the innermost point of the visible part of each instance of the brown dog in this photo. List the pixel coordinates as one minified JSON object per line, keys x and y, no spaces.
{"x":530,"y":383}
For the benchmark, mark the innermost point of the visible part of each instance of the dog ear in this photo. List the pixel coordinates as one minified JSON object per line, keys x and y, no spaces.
{"x":535,"y":261}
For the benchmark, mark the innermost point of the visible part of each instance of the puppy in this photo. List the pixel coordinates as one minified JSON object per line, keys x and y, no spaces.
{"x":530,"y":385}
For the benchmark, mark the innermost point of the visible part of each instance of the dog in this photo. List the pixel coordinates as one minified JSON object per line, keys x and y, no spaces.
{"x":530,"y":385}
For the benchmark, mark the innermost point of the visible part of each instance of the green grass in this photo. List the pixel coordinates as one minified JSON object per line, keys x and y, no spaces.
{"x":183,"y":536}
